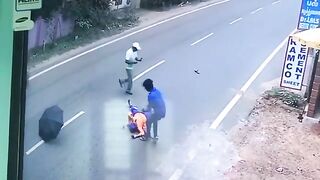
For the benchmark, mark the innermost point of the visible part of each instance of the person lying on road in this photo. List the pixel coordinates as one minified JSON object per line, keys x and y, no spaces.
{"x":140,"y":120}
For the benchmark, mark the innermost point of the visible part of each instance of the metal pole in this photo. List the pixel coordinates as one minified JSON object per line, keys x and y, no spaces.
{"x":17,"y":108}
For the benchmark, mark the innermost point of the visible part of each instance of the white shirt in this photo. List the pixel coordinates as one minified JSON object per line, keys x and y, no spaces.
{"x":131,"y":56}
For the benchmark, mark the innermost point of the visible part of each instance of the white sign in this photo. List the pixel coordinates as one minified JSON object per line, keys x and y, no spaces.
{"x":22,"y":21}
{"x":294,"y":65}
{"x":25,"y":5}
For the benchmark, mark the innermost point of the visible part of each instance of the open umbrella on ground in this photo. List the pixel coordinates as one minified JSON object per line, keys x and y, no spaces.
{"x":310,"y":38}
{"x":50,"y":123}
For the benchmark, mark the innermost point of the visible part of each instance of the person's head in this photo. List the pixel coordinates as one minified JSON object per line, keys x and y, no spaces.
{"x":136,"y":46}
{"x":148,"y":85}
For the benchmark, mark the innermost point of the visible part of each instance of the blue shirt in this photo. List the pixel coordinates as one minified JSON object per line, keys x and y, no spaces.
{"x":156,"y":103}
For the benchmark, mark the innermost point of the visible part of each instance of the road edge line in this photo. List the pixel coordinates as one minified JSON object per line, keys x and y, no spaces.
{"x":148,"y":70}
{"x":33,"y":148}
{"x":245,"y":87}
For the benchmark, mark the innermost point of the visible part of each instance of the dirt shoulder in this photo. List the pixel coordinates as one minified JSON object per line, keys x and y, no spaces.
{"x":273,"y":144}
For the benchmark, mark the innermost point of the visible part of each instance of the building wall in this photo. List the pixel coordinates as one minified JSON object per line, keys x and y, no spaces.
{"x":314,"y":97}
{"x":58,"y":27}
{"x":118,"y":4}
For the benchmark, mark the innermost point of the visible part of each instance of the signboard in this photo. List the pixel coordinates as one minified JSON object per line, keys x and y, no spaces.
{"x":25,"y":5}
{"x":309,"y":15}
{"x":294,"y":65}
{"x":22,"y":21}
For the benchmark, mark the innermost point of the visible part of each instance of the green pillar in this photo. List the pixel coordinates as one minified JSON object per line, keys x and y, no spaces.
{"x":6,"y":46}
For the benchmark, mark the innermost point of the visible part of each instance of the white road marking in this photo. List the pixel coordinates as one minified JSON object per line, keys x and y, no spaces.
{"x":73,"y":118}
{"x":178,"y":172}
{"x":176,"y":175}
{"x":276,"y":2}
{"x":245,"y":87}
{"x":125,"y":36}
{"x":201,"y":39}
{"x":149,"y":69}
{"x":255,"y":11}
{"x":239,"y":19}
{"x":34,"y":147}
{"x":65,"y":124}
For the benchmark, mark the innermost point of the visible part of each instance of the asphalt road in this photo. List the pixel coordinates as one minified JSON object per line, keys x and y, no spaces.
{"x":239,"y":37}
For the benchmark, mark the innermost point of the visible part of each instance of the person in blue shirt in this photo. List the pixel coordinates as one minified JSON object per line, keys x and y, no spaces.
{"x":156,"y":108}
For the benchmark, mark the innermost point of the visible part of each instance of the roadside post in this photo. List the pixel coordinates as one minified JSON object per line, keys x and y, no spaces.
{"x":6,"y":48}
{"x":18,"y":14}
{"x":309,"y":18}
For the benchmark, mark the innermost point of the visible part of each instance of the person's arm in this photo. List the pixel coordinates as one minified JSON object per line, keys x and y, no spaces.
{"x":137,"y":59}
{"x":130,"y":118}
{"x":151,"y":102}
{"x":149,"y":106}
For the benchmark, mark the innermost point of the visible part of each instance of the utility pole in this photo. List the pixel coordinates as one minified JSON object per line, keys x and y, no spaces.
{"x":6,"y":48}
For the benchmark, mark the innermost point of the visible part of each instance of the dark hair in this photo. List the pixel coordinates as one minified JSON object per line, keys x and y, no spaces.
{"x":134,"y":49}
{"x":148,"y":84}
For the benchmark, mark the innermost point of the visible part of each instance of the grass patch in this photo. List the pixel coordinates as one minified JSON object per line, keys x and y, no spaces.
{"x":287,"y":97}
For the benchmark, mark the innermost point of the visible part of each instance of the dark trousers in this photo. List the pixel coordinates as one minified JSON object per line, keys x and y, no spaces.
{"x":154,"y":124}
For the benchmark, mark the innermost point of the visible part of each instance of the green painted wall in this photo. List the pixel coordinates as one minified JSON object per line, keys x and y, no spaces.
{"x":6,"y":44}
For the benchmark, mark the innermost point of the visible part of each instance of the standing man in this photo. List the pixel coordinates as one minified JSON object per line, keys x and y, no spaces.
{"x":156,"y":107}
{"x":131,"y":59}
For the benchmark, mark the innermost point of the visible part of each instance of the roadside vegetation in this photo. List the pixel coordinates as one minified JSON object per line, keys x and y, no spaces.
{"x":92,"y":20}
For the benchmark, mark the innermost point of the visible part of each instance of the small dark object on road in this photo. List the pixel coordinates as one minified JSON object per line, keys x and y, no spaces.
{"x":197,"y":71}
{"x":129,"y":103}
{"x":50,"y":123}
{"x":300,"y":117}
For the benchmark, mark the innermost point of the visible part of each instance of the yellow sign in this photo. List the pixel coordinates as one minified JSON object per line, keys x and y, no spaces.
{"x":25,"y":5}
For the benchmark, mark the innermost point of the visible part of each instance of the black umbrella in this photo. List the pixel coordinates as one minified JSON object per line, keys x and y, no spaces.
{"x":50,"y":123}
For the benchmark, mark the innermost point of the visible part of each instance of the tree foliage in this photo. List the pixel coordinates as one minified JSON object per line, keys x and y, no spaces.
{"x":48,"y":7}
{"x":97,"y":14}
{"x":86,"y":13}
{"x":90,"y":12}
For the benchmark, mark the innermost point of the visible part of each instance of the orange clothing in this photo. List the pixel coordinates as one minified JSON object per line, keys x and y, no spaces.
{"x":141,"y":120}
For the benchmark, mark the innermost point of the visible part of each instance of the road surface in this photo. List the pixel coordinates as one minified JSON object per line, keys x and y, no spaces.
{"x":226,"y":42}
